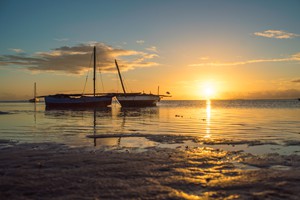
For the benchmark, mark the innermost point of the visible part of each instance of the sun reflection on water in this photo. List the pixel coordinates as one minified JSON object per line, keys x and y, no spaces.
{"x":208,"y":116}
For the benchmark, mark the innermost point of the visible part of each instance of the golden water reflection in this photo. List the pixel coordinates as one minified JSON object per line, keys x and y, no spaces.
{"x":211,"y":121}
{"x":208,"y":117}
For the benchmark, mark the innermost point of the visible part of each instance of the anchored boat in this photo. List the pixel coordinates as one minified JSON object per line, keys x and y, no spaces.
{"x":80,"y":100}
{"x":77,"y":101}
{"x":136,"y":99}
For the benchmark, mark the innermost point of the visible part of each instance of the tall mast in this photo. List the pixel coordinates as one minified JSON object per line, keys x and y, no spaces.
{"x":94,"y":79}
{"x":34,"y":92}
{"x":120,"y":77}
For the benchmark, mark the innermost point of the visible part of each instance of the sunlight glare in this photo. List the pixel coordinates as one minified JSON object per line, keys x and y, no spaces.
{"x":208,"y":90}
{"x":208,"y":115}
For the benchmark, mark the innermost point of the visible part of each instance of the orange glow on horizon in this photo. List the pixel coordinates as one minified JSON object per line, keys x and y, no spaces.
{"x":207,"y":90}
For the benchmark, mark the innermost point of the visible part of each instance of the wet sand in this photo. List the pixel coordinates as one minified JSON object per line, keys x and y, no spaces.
{"x":54,"y":171}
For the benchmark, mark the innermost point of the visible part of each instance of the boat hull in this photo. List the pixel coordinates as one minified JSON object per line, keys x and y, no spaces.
{"x":138,"y":100}
{"x":73,"y":102}
{"x":34,"y":100}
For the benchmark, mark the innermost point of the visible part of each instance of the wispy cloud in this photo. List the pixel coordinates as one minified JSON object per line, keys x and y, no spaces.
{"x":140,"y":41}
{"x":278,"y":34}
{"x":152,"y":48}
{"x":77,"y":59}
{"x":61,"y":39}
{"x":204,"y":58}
{"x":17,"y":50}
{"x":295,"y":57}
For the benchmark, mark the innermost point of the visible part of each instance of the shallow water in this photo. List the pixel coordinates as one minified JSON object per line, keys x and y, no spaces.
{"x":256,"y":126}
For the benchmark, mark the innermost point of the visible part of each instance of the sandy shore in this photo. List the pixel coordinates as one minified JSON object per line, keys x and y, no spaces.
{"x":53,"y":171}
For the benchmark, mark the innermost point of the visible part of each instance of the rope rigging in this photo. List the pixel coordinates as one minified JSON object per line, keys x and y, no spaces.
{"x":100,"y":74}
{"x":86,"y":78}
{"x":87,"y":75}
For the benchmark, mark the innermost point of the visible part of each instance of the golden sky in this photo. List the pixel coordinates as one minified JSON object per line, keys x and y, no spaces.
{"x":192,"y":49}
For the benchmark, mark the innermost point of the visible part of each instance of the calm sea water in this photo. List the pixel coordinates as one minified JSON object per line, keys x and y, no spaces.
{"x":244,"y":122}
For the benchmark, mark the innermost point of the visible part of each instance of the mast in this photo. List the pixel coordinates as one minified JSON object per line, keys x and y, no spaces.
{"x":34,"y":92}
{"x":120,"y":77}
{"x":94,"y":79}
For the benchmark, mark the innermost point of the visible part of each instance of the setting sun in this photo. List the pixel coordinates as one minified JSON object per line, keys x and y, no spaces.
{"x":207,"y":90}
{"x":173,"y":99}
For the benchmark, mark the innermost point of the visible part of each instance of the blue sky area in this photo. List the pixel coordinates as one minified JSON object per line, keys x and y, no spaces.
{"x":246,"y":49}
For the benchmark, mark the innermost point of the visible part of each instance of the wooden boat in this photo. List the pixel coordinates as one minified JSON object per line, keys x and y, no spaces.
{"x":79,"y":100}
{"x":136,"y":99}
{"x":34,"y":99}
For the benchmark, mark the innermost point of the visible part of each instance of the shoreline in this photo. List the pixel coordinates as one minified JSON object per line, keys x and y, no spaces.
{"x":52,"y":170}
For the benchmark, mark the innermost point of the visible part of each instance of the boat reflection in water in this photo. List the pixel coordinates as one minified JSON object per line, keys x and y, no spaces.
{"x":111,"y":127}
{"x":34,"y":99}
{"x":215,"y":122}
{"x":123,"y":133}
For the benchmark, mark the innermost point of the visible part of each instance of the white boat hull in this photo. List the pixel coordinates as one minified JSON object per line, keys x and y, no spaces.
{"x":143,"y":100}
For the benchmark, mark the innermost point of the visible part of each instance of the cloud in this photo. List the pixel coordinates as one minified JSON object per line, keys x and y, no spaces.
{"x":278,"y":34}
{"x":61,"y":39}
{"x":152,"y":48}
{"x":296,"y":81}
{"x":77,"y":59}
{"x":140,"y":41}
{"x":293,"y":58}
{"x":17,"y":50}
{"x":204,"y":58}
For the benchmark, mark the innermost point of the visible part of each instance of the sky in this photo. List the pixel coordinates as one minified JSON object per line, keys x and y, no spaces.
{"x":194,"y":49}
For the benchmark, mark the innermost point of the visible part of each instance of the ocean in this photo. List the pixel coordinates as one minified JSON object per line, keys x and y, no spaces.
{"x":254,"y":126}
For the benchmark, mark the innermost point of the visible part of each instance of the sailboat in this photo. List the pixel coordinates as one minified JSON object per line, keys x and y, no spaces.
{"x":136,"y":99}
{"x":80,"y":100}
{"x":34,"y":99}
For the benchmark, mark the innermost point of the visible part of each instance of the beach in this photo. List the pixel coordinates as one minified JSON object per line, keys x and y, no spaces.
{"x":177,"y":150}
{"x":56,"y":171}
{"x":149,"y":100}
